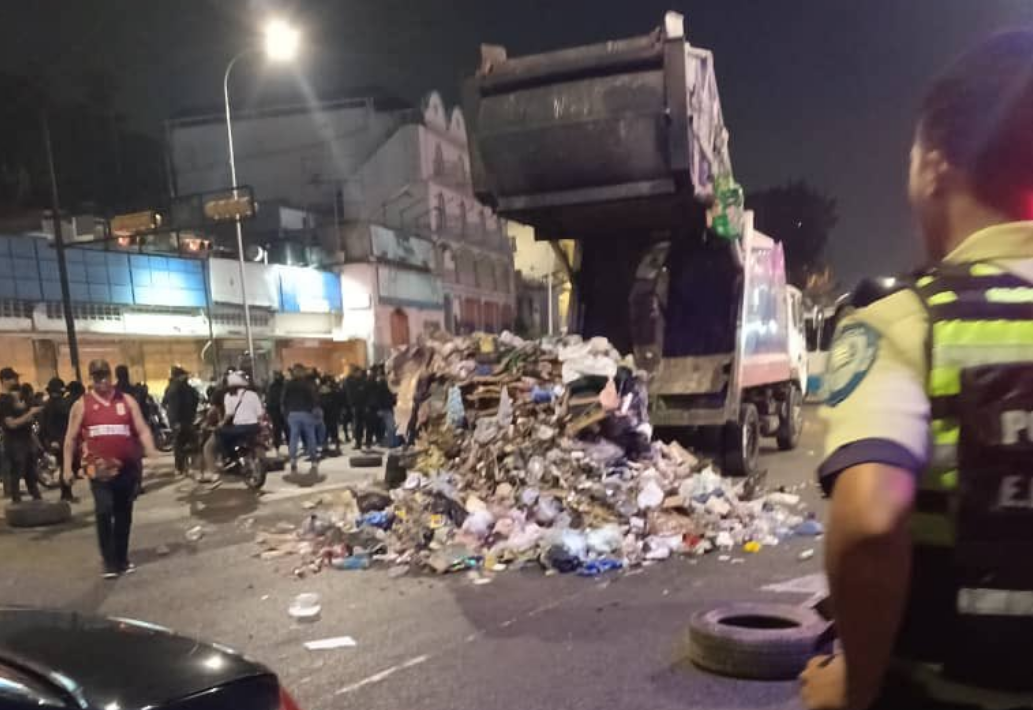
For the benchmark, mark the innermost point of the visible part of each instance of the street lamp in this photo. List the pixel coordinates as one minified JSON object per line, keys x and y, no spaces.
{"x":280,"y":45}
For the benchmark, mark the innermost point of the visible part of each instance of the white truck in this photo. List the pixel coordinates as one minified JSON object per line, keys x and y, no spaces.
{"x":620,"y":146}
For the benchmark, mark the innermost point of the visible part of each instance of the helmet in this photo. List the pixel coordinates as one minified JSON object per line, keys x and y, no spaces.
{"x":236,"y":379}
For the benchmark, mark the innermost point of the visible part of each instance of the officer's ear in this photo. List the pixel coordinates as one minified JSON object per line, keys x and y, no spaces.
{"x":931,"y":175}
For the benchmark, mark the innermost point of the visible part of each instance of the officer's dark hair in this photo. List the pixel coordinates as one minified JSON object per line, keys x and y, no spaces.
{"x":979,"y":113}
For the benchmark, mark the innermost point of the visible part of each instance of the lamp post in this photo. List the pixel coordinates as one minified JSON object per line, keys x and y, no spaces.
{"x":281,"y":45}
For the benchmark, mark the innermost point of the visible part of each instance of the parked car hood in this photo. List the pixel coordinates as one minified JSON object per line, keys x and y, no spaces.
{"x":116,"y":662}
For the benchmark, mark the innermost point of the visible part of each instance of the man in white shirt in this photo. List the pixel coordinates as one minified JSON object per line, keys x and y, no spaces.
{"x":243,"y":412}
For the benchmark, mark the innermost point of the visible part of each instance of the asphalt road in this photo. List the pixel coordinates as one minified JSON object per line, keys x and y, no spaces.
{"x":435,"y":643}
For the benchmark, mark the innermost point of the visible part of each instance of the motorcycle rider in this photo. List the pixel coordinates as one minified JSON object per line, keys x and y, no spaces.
{"x":181,"y":401}
{"x":243,"y":412}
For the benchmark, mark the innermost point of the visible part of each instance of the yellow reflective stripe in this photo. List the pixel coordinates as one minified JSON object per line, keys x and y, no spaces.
{"x":932,"y":529}
{"x":1022,"y":294}
{"x":944,"y":381}
{"x":986,"y":270}
{"x":943,"y":298}
{"x":984,"y":334}
{"x":924,"y":281}
{"x":949,"y":480}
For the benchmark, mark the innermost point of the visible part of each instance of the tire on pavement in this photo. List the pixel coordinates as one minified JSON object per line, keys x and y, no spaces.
{"x":37,"y":513}
{"x":365,"y":460}
{"x":756,"y":641}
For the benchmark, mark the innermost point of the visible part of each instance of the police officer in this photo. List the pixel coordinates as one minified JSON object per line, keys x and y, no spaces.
{"x":929,"y":450}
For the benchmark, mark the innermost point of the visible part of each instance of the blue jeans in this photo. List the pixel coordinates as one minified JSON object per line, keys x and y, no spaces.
{"x":302,"y":424}
{"x":387,"y":416}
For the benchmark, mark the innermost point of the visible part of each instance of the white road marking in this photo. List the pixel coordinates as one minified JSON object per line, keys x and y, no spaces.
{"x":808,"y":584}
{"x":383,"y":675}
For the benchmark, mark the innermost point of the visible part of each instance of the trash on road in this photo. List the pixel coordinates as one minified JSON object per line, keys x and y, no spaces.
{"x":195,"y":533}
{"x":531,"y":453}
{"x":331,"y":643}
{"x":305,"y":607}
{"x":805,"y":555}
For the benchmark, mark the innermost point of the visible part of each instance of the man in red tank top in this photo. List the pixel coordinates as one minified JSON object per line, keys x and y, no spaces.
{"x":113,"y":435}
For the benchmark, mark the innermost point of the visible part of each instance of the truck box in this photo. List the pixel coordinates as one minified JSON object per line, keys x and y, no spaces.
{"x":621,"y":146}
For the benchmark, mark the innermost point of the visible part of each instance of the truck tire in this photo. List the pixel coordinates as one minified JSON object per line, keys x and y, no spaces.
{"x":790,"y":425}
{"x":757,"y":641}
{"x":37,"y":513}
{"x":742,"y":443}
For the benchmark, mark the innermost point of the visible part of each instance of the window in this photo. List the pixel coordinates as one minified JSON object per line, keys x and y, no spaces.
{"x":484,"y":222}
{"x":462,"y":218}
{"x":466,"y":269}
{"x":486,"y":275}
{"x":439,"y":161}
{"x":502,"y":277}
{"x":446,"y":264}
{"x":442,"y":216}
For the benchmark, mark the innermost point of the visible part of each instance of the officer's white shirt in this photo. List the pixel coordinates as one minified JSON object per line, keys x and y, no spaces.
{"x":250,"y":410}
{"x":878,"y":411}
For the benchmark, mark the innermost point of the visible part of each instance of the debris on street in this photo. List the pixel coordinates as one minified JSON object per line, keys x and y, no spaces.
{"x":530,"y":452}
{"x":305,"y":607}
{"x":331,"y":643}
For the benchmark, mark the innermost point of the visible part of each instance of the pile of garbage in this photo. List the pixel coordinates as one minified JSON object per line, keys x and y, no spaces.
{"x":531,"y":452}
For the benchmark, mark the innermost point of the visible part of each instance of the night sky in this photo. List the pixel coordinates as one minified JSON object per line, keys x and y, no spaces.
{"x":823,"y":90}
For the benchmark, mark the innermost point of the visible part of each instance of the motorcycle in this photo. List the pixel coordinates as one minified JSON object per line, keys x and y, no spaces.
{"x":247,"y":460}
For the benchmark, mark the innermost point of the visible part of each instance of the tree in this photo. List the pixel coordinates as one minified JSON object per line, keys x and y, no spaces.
{"x":800,"y":217}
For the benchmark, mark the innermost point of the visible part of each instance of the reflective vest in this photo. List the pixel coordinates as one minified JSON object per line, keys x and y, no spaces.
{"x":971,"y":603}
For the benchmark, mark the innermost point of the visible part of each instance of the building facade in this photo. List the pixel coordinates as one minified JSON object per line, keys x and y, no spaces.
{"x":398,"y":218}
{"x":150,"y":311}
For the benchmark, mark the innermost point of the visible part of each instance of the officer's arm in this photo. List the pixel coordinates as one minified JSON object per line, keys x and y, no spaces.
{"x":72,"y":438}
{"x":876,"y":448}
{"x":142,"y":429}
{"x":868,"y":560}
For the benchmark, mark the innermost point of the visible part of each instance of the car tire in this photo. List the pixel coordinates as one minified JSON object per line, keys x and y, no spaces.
{"x":365,"y":460}
{"x":790,"y":424}
{"x":742,"y":443}
{"x":37,"y":513}
{"x":757,"y":641}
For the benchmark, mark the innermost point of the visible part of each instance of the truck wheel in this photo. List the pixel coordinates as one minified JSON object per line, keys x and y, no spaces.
{"x":742,"y":443}
{"x":790,"y":424}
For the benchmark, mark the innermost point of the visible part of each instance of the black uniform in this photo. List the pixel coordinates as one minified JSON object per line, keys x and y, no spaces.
{"x":19,"y":447}
{"x":181,"y":401}
{"x":274,"y":408}
{"x":357,"y":387}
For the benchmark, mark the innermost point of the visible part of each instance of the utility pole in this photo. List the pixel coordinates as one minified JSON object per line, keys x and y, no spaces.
{"x":59,"y":248}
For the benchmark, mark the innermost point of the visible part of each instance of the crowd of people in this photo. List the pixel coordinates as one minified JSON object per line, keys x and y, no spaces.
{"x":104,"y":439}
{"x":323,"y":412}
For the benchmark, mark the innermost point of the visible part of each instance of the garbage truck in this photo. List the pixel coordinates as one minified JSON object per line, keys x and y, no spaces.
{"x":622,"y":147}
